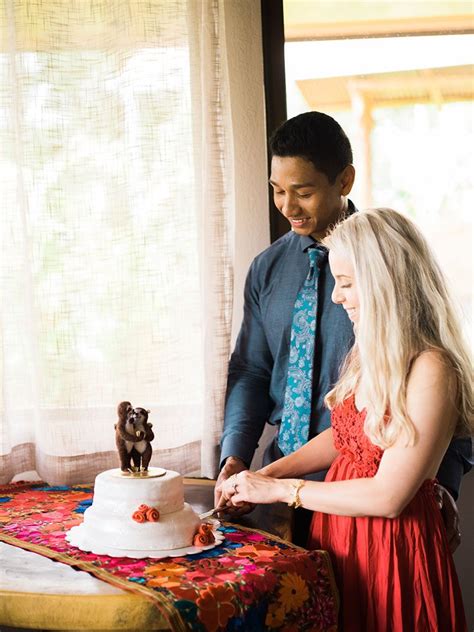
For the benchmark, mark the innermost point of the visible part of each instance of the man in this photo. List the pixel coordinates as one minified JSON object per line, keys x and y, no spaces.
{"x":285,"y":360}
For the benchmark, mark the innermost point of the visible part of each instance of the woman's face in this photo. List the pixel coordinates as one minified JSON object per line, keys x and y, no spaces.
{"x":345,"y":288}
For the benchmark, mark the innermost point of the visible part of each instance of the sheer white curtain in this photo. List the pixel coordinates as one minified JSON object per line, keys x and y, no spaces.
{"x":116,"y":276}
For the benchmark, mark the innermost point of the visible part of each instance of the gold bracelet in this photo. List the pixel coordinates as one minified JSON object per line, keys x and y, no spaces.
{"x":296,"y":502}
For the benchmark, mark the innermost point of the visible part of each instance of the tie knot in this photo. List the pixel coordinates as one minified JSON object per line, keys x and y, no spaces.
{"x":317,"y":257}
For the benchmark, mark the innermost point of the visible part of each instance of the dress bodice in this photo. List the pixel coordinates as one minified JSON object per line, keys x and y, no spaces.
{"x":351,"y":441}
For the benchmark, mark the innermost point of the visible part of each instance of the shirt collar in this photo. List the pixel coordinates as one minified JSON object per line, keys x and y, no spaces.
{"x":306,"y":241}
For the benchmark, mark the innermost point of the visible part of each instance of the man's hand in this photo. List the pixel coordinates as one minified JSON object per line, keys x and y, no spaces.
{"x":450,"y":514}
{"x":233,"y":465}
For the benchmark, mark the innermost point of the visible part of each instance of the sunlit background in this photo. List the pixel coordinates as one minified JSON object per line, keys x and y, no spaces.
{"x":406,"y":102}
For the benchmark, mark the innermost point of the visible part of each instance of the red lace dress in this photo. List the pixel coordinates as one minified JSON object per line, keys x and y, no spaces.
{"x":393,"y":574}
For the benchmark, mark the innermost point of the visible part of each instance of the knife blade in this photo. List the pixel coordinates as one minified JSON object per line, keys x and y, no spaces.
{"x":208,"y":514}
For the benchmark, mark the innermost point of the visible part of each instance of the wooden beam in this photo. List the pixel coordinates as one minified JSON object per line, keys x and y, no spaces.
{"x":428,"y":85}
{"x":273,"y":40}
{"x":356,"y":29}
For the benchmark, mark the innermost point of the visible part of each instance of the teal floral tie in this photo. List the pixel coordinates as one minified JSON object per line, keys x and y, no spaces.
{"x":294,"y":427}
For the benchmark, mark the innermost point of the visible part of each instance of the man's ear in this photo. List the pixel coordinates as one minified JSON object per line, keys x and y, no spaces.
{"x":346,"y":178}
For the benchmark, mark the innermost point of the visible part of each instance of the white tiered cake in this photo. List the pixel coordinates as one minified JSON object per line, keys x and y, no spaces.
{"x":137,"y":516}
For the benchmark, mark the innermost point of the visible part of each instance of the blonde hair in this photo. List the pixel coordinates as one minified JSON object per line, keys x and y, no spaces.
{"x":404,"y":309}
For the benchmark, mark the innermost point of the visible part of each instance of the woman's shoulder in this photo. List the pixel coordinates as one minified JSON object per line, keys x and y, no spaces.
{"x":431,"y":364}
{"x":432,"y":387}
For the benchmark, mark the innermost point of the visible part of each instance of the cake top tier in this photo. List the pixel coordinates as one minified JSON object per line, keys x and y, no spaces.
{"x":162,"y":489}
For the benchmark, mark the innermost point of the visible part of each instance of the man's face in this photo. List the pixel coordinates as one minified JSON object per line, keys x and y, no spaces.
{"x":305,"y":196}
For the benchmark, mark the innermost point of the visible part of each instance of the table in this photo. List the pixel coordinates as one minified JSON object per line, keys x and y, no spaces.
{"x":36,"y":592}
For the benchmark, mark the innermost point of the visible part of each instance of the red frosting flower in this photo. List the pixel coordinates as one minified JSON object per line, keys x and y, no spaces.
{"x":139,"y":516}
{"x":152,"y":514}
{"x":143,"y":508}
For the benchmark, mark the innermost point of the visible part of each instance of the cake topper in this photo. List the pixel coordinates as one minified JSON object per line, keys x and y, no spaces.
{"x":133,"y":436}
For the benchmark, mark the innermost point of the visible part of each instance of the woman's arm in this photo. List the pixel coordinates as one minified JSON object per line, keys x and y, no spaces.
{"x":314,"y":456}
{"x":430,"y":405}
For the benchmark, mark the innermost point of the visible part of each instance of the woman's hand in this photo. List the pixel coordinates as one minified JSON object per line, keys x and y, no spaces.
{"x":233,"y":465}
{"x":253,"y":487}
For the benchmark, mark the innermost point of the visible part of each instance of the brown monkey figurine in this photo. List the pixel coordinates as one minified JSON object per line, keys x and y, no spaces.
{"x":133,"y":436}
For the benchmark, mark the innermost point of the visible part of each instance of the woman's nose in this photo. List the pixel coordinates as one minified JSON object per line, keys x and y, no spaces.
{"x":336,"y":296}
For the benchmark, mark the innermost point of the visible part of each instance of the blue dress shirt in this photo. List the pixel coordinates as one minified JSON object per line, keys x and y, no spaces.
{"x":258,"y":366}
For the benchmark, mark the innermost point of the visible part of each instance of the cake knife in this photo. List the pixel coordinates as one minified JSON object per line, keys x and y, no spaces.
{"x":210,"y":513}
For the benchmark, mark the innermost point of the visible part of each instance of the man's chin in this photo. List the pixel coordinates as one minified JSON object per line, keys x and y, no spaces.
{"x":302,"y":230}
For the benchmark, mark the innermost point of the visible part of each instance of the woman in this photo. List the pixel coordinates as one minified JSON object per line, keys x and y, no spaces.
{"x":404,"y":391}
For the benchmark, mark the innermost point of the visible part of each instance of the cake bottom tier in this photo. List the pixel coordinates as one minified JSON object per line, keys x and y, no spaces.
{"x":172,"y":531}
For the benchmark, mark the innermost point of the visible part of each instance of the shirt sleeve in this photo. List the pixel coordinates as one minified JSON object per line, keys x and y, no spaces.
{"x":456,"y":462}
{"x":248,"y":401}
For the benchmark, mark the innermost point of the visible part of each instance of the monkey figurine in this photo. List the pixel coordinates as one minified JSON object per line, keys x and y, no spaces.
{"x":133,"y":437}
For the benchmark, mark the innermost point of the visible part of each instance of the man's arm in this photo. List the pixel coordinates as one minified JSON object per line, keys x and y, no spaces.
{"x":456,"y":462}
{"x":248,"y":402}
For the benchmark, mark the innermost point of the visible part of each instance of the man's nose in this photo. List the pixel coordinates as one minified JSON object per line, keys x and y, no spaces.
{"x":290,"y":205}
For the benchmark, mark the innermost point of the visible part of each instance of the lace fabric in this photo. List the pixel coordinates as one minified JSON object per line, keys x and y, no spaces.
{"x":351,"y":441}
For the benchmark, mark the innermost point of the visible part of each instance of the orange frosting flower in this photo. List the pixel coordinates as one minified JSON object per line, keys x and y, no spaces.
{"x":204,"y":536}
{"x":200,"y":540}
{"x":143,"y":508}
{"x":152,"y":514}
{"x":139,"y":516}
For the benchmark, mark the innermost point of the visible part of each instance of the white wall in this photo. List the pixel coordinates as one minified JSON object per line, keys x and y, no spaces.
{"x":245,"y":59}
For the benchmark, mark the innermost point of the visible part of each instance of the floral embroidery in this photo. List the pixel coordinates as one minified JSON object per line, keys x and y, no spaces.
{"x":251,"y":581}
{"x":215,"y":606}
{"x":293,"y":591}
{"x":275,"y":616}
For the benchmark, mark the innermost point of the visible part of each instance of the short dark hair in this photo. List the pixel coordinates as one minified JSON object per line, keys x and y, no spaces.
{"x":317,"y":137}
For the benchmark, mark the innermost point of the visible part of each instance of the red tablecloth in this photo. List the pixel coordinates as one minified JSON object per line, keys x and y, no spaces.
{"x":252,"y":581}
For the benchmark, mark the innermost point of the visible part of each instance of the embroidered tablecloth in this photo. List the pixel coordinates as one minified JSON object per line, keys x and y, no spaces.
{"x":252,"y":581}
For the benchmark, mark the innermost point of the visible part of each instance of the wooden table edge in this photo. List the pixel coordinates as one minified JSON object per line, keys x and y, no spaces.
{"x":79,"y":612}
